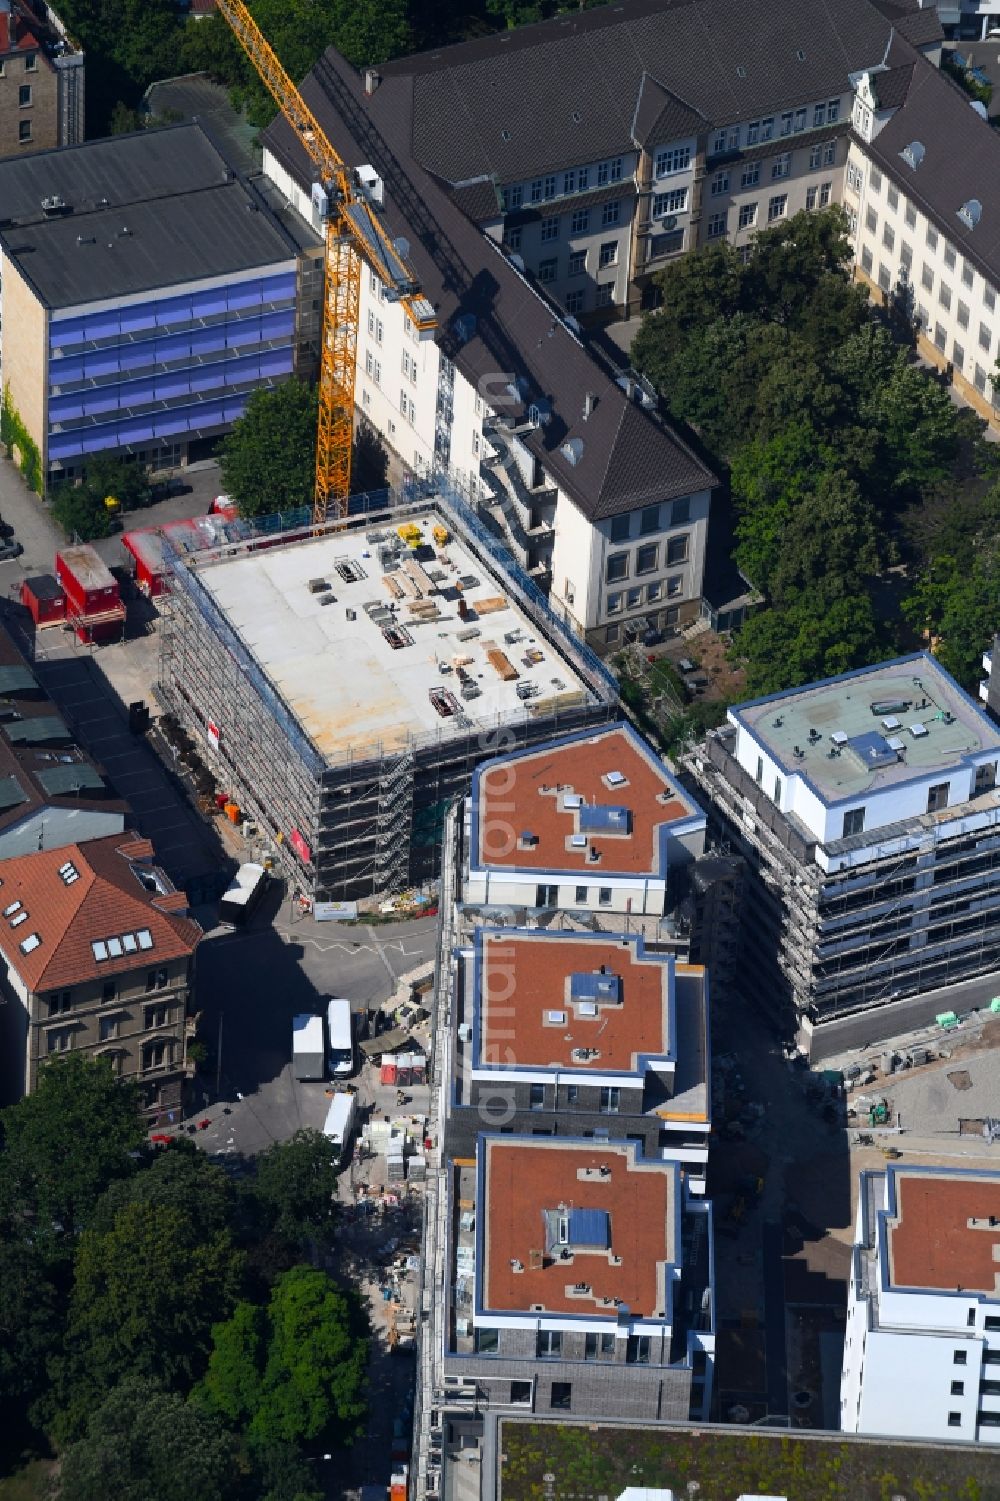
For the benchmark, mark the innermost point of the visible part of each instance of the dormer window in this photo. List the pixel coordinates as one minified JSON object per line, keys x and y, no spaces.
{"x":913,"y":154}
{"x":971,"y":212}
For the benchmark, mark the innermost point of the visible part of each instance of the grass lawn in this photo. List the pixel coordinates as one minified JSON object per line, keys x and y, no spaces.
{"x":29,"y":1484}
{"x":590,"y":1461}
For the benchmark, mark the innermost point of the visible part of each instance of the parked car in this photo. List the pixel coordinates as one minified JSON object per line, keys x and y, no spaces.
{"x":10,"y":549}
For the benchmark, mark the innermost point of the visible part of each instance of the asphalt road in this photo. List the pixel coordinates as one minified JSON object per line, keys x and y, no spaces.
{"x":251,"y":984}
{"x":872,"y":1028}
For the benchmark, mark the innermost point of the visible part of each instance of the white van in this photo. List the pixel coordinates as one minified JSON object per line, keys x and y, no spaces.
{"x":340,"y":1034}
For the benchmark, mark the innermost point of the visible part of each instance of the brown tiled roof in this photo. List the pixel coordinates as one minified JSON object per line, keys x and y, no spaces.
{"x":525,"y":976}
{"x":525,"y":1178}
{"x":947,"y":1231}
{"x":105,"y":900}
{"x":526,"y":795}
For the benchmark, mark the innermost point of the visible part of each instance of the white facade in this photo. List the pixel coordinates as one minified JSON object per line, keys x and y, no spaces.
{"x":918,"y":1363}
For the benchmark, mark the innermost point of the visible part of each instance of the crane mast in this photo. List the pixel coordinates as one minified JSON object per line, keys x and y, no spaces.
{"x":351,"y":229}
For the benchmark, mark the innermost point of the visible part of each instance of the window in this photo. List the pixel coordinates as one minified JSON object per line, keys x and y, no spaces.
{"x":674,"y":202}
{"x":949,"y":256}
{"x":937,"y":797}
{"x":157,"y":1016}
{"x":605,"y":293}
{"x":781,"y":166}
{"x":562,"y":1396}
{"x":968,"y":275}
{"x":548,"y":1343}
{"x":876,"y":180}
{"x":960,"y":1357}
{"x":963,"y":314}
{"x":575,"y":301}
{"x":927,"y":278}
{"x":645,"y":558}
{"x":649,"y":520}
{"x":777,"y":791}
{"x":825,"y":193}
{"x":24,"y":95}
{"x":520,"y":1394}
{"x":832,"y":111}
{"x":156,"y":979}
{"x":614,"y":603}
{"x":512,"y":238}
{"x":536,"y":1097}
{"x":677,"y":550}
{"x":819,"y":116}
{"x":979,"y":380}
{"x":871,"y":220}
{"x":884,"y":280}
{"x":60,"y":1003}
{"x":550,"y":229}
{"x":892,"y":198}
{"x":633,"y":599}
{"x":637,"y":1349}
{"x":580,"y":896}
{"x":678,"y":159}
{"x":610,"y":1100}
{"x":984,"y":336}
{"x":60,"y":1040}
{"x":717,"y":225}
{"x":811,"y":194}
{"x":750,"y":175}
{"x":786,"y":123}
{"x":931,"y":238}
{"x":604,"y":896}
{"x":767,"y":128}
{"x":989,"y":299}
{"x":675,"y":585}
{"x":580,"y":222}
{"x":620,"y":528}
{"x":720,"y":184}
{"x":582,"y":179}
{"x":31,"y":62}
{"x":610,"y":214}
{"x":800,"y":120}
{"x":748,"y":216}
{"x":549,"y":187}
{"x":854,"y":822}
{"x":776,"y":207}
{"x":866,"y":260}
{"x":547,"y":271}
{"x":487,"y":1341}
{"x":958,"y":1388}
{"x":536,"y":190}
{"x":909,"y":215}
{"x":957,"y":355}
{"x":888,"y":237}
{"x":654,"y":591}
{"x":24,"y":130}
{"x":612,"y":633}
{"x":109,"y":991}
{"x":577,"y":262}
{"x":944,"y":296}
{"x":760,"y":770}
{"x":569,"y":181}
{"x":608,"y":255}
{"x":514,"y":195}
{"x":954,"y":1420}
{"x":680,"y":511}
{"x":617,"y":568}
{"x":939,"y":336}
{"x":855,"y":178}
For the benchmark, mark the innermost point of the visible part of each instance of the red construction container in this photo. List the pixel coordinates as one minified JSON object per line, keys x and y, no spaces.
{"x":145,"y":551}
{"x":44,"y":599}
{"x":387,"y":1074}
{"x":93,"y":600}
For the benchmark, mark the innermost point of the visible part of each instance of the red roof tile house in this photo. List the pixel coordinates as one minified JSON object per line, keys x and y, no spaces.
{"x":99,"y":957}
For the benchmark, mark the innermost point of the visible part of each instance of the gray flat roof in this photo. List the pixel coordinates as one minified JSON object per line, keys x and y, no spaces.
{"x":897,"y":720}
{"x":348,"y":688}
{"x":141,"y":212}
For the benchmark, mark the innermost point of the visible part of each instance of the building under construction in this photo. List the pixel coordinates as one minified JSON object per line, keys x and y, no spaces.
{"x":868,"y":811}
{"x":344,"y":681}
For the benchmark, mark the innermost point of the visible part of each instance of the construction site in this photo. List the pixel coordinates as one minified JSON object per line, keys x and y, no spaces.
{"x":858,"y":936}
{"x":345,"y":678}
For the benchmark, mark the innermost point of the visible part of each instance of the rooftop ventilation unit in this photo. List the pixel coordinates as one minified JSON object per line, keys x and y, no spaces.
{"x":913,"y":154}
{"x":572,"y":451}
{"x":918,"y":730}
{"x":54,"y":204}
{"x":838,"y":737}
{"x":372,"y":184}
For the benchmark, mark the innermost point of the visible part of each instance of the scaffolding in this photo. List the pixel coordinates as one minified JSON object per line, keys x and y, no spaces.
{"x":366,"y":822}
{"x":918,"y":910}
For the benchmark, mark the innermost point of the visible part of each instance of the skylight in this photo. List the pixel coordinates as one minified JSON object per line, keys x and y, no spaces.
{"x":21,"y":917}
{"x":68,"y":873}
{"x":115,"y":949}
{"x":100,"y":949}
{"x":145,"y":938}
{"x":29,"y":944}
{"x":9,"y":911}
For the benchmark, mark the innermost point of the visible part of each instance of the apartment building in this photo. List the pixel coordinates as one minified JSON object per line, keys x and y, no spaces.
{"x":868,"y":811}
{"x":41,"y":80}
{"x":593,"y":824}
{"x":922,"y":1346}
{"x":603,"y":503}
{"x":146,"y":292}
{"x":97,"y":953}
{"x":582,"y":1034}
{"x":920,"y":174}
{"x":580,"y":1281}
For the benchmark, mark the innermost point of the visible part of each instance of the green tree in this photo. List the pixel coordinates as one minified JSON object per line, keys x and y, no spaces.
{"x":65,"y":1143}
{"x":281,"y":1474}
{"x":955,"y":602}
{"x":301,"y":1373}
{"x":807,"y":640}
{"x":84,"y":508}
{"x":146,"y":1294}
{"x":829,"y":547}
{"x":31,"y":1320}
{"x":143,"y":1443}
{"x":181,"y":1178}
{"x":268,"y":460}
{"x":296,"y":1185}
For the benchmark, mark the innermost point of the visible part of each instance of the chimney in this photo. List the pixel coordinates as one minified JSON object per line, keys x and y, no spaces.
{"x":372,"y":80}
{"x":589,"y":403}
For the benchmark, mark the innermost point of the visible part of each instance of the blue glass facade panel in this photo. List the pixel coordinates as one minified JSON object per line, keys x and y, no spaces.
{"x":164,"y":311}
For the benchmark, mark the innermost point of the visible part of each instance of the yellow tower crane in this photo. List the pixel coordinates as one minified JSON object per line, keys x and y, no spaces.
{"x":352,"y":232}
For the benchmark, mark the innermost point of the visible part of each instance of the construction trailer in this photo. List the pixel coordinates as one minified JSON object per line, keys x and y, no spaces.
{"x":344,"y":682}
{"x":93,"y":599}
{"x":45,"y":600}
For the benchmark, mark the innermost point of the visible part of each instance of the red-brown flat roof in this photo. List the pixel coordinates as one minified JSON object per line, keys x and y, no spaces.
{"x":942,"y":1236}
{"x":526,"y":1178}
{"x":525,"y":794}
{"x":526,"y":976}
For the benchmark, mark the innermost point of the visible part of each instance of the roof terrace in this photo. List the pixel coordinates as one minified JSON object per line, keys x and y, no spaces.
{"x":945,"y":1232}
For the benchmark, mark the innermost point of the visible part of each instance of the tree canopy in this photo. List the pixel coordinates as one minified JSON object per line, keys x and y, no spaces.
{"x":296,"y":1186}
{"x":269,"y":458}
